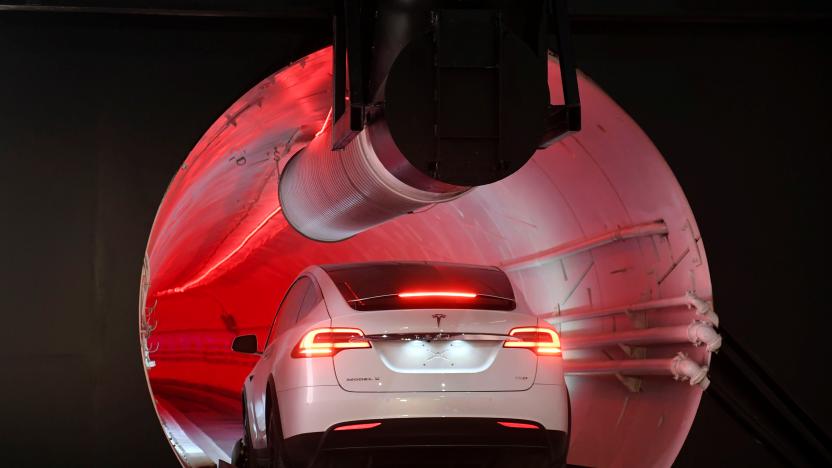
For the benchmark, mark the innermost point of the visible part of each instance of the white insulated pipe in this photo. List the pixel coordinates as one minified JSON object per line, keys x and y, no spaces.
{"x":624,"y":367}
{"x":704,"y":309}
{"x":577,"y":246}
{"x":681,"y":367}
{"x":697,"y":332}
{"x":331,"y":196}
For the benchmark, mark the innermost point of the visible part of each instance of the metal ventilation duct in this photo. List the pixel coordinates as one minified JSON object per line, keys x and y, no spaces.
{"x":331,"y":195}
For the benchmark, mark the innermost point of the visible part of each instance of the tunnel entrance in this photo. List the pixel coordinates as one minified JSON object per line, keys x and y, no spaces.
{"x":594,"y":232}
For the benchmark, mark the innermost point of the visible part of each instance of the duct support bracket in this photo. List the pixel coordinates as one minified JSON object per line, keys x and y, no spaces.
{"x":562,"y":119}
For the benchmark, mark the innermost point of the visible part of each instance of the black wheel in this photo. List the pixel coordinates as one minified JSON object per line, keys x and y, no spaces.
{"x":557,"y":459}
{"x":561,"y":461}
{"x":241,"y":453}
{"x":238,"y":455}
{"x":277,"y":455}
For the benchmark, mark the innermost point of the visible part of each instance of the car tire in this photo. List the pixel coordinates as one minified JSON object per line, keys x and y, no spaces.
{"x":241,"y":453}
{"x":277,"y":454}
{"x":238,"y":455}
{"x":561,"y":461}
{"x":558,"y":459}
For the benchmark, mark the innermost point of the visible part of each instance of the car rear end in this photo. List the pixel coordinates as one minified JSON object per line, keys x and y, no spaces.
{"x":431,"y":360}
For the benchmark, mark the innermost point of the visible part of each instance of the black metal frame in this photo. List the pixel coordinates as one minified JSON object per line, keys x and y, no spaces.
{"x":352,"y":19}
{"x":565,"y":118}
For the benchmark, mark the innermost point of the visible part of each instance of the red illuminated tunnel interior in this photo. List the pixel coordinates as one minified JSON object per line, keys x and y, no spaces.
{"x":594,"y":232}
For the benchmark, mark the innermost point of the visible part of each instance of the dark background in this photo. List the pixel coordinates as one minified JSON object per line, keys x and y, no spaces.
{"x":97,"y":110}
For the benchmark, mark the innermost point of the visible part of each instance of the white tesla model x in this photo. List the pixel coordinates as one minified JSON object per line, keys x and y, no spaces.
{"x":404,"y":364}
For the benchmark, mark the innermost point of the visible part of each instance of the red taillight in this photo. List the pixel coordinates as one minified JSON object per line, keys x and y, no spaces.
{"x":543,"y":341}
{"x":468,"y":295}
{"x":356,"y":427}
{"x":517,"y":425}
{"x":324,"y":342}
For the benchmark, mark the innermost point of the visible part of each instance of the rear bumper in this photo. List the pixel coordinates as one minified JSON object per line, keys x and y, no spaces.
{"x":316,"y":409}
{"x":401,"y":441}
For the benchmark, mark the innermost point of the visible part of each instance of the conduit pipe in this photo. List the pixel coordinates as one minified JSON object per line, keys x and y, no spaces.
{"x":681,"y":367}
{"x":704,"y":309}
{"x":582,"y":245}
{"x":697,"y":332}
{"x":330,"y":196}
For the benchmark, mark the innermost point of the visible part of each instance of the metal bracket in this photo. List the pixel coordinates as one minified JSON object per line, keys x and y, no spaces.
{"x":697,"y":261}
{"x":148,"y":310}
{"x":633,"y":384}
{"x":349,"y":73}
{"x":146,"y":327}
{"x":637,"y":317}
{"x":562,"y":119}
{"x":634,"y":352}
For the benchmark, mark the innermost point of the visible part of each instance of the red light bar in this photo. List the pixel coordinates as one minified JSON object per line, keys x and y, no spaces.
{"x":437,"y":294}
{"x":517,"y":425}
{"x":354,"y":427}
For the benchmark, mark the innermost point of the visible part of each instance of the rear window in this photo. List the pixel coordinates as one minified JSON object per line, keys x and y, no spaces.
{"x":384,"y":286}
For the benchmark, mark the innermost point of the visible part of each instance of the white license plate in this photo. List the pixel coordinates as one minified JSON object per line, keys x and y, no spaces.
{"x":456,"y":356}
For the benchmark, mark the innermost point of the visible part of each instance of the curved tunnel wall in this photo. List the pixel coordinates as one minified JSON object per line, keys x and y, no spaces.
{"x":595,"y":221}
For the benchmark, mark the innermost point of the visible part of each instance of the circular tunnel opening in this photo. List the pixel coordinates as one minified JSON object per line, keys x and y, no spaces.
{"x":594,"y":232}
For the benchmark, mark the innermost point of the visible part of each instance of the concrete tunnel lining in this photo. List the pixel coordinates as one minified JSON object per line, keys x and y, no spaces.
{"x":220,"y":256}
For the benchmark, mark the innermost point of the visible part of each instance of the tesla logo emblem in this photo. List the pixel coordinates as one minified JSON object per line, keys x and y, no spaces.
{"x":438,"y":318}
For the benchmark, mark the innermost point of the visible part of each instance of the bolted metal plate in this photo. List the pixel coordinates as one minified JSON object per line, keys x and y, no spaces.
{"x":467,"y":111}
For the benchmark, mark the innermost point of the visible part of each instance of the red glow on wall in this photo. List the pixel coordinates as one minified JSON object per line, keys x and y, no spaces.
{"x":201,"y":278}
